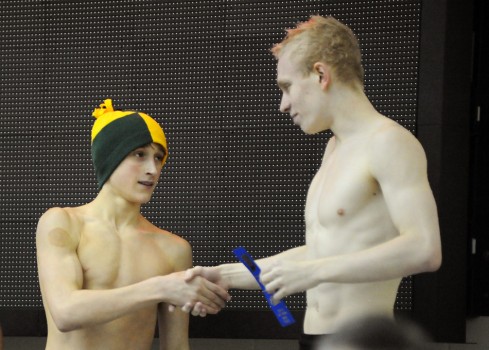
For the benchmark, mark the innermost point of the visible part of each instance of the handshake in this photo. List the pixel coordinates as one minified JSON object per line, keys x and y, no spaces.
{"x":207,"y":291}
{"x":212,"y":295}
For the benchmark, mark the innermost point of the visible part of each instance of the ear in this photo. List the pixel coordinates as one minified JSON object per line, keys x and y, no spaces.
{"x":324,"y":74}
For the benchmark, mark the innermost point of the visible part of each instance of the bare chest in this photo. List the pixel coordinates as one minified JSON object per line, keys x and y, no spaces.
{"x":342,"y":191}
{"x":111,"y":259}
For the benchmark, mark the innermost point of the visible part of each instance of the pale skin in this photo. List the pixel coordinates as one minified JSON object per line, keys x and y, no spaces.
{"x":370,"y":214}
{"x":107,"y":275}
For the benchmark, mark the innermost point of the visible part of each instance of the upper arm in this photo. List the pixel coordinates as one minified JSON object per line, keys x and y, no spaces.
{"x":59,"y":269}
{"x":398,"y":163}
{"x":173,"y":326}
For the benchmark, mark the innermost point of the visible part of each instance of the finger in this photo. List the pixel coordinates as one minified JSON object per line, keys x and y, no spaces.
{"x":266,"y":277}
{"x":203,"y":295}
{"x":212,"y":296}
{"x":198,"y":309}
{"x":209,"y":305}
{"x":273,"y":286}
{"x":187,"y":308}
{"x":221,"y":296}
{"x":195,"y":312}
{"x":279,"y":295}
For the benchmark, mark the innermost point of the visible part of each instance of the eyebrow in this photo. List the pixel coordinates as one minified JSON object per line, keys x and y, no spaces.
{"x":158,"y":147}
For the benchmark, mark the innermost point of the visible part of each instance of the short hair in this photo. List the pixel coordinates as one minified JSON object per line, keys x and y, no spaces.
{"x":327,"y":40}
{"x":377,"y":332}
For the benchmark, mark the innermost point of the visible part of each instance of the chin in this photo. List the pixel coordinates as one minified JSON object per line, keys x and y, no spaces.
{"x":313,"y":129}
{"x":140,"y":200}
{"x":146,"y":200}
{"x":310,"y":131}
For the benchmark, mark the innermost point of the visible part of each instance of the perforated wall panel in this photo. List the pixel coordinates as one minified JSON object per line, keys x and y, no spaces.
{"x":238,"y":170}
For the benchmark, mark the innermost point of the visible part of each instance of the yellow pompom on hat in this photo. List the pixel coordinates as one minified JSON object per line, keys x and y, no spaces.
{"x":117,"y":133}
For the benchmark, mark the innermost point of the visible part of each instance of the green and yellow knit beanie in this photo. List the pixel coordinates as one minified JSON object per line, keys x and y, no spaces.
{"x":117,"y":133}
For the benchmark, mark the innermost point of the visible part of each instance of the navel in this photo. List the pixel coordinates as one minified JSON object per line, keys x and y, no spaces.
{"x":341,"y":212}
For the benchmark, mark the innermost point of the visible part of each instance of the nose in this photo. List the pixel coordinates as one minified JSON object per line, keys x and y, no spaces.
{"x":151,"y":167}
{"x":284,"y":104}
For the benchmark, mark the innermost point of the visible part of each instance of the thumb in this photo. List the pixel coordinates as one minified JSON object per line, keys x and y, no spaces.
{"x":191,"y":273}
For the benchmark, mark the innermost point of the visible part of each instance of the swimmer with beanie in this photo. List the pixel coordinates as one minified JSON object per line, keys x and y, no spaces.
{"x":116,"y":133}
{"x":107,"y":274}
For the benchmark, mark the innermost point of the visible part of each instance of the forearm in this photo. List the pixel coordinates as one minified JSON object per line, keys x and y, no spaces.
{"x":237,"y":276}
{"x":400,"y":257}
{"x":293,"y":254}
{"x":83,"y":308}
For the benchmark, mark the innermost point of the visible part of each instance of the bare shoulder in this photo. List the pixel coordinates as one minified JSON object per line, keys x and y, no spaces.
{"x":390,"y":138}
{"x":389,"y":130}
{"x":58,"y":227}
{"x":394,"y":149}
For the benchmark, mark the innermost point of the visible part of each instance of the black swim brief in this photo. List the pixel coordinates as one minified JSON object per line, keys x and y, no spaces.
{"x":308,"y":341}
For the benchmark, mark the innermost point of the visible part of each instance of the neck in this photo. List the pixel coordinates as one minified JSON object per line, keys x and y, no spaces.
{"x":115,"y":209}
{"x":351,"y":112}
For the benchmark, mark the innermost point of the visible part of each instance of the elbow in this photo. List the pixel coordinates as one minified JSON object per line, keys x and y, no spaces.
{"x":431,"y":260}
{"x":64,"y":321}
{"x":433,"y":263}
{"x":65,"y":327}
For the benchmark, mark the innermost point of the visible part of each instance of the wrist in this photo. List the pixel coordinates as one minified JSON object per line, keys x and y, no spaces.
{"x":317,"y":274}
{"x":159,"y":289}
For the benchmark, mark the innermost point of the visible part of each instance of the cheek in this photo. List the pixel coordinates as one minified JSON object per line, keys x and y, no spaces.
{"x":127,"y":170}
{"x":302,"y":98}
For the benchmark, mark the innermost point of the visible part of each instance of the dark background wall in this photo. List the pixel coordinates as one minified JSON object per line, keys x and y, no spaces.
{"x":443,"y":128}
{"x":479,"y":186}
{"x":238,"y":170}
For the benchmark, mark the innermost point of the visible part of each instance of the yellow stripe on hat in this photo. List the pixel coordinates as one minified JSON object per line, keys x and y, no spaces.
{"x":104,"y":108}
{"x":155,"y":130}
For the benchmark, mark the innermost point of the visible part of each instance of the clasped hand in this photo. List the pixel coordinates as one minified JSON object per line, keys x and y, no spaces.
{"x":213,"y":299}
{"x":283,"y":278}
{"x":279,"y":278}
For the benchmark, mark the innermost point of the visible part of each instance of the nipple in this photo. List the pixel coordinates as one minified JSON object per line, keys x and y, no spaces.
{"x":341,"y":212}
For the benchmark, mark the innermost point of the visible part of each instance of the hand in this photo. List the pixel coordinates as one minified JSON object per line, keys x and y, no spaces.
{"x":197,"y":292}
{"x":212,"y":275}
{"x":285,"y":278}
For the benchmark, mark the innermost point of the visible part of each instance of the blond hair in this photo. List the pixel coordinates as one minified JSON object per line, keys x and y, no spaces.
{"x":324,"y":39}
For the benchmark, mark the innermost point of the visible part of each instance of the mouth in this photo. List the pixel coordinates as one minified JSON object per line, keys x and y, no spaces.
{"x":146,"y":183}
{"x":294,"y":117}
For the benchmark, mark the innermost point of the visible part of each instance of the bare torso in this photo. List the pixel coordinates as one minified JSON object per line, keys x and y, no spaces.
{"x":111,"y":259}
{"x":346,"y":212}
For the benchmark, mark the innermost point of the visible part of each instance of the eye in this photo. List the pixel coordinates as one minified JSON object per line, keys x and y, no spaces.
{"x":159,"y":157}
{"x":139,"y":153}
